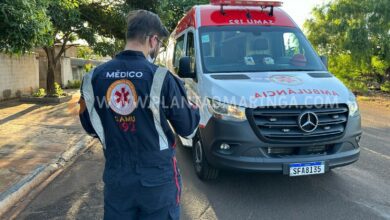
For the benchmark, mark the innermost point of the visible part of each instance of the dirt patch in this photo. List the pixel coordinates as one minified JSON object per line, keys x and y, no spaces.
{"x":377,"y":100}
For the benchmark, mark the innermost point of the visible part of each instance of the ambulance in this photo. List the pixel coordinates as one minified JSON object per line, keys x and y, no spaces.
{"x":267,"y":101}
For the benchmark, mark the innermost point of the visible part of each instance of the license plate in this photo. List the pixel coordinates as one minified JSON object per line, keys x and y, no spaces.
{"x":304,"y":169}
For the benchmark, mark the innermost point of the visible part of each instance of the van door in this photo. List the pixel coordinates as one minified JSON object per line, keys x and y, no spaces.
{"x":191,"y":85}
{"x":178,"y":53}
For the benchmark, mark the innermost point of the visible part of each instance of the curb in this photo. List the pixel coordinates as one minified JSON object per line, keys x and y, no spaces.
{"x":17,"y":192}
{"x":46,"y":100}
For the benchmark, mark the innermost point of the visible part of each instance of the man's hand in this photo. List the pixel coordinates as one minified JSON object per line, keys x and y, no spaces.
{"x":193,"y":105}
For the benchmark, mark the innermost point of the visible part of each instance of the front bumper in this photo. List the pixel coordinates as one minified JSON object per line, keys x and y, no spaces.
{"x":247,"y":152}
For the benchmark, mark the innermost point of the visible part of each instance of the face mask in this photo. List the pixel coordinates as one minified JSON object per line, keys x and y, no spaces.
{"x":153,"y":53}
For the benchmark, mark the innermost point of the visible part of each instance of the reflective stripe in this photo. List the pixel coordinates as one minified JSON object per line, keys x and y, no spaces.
{"x":192,"y":135}
{"x":176,"y":180}
{"x":89,"y":98}
{"x":155,"y":100}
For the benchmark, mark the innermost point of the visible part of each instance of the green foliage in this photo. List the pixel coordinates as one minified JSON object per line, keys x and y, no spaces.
{"x":68,"y":23}
{"x":27,"y":24}
{"x":23,"y":24}
{"x":87,"y":53}
{"x":109,"y":47}
{"x":110,"y":19}
{"x":356,"y":36}
{"x":84,"y":53}
{"x":344,"y":68}
{"x":385,"y":87}
{"x":106,"y":16}
{"x":102,"y":23}
{"x":88,"y":67}
{"x":40,"y":93}
{"x":58,"y":90}
{"x":171,"y":11}
{"x":74,"y":84}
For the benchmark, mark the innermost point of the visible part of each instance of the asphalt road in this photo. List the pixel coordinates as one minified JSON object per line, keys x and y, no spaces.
{"x":358,"y":191}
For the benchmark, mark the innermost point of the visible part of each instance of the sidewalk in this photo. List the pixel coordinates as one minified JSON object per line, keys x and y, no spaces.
{"x":32,"y":138}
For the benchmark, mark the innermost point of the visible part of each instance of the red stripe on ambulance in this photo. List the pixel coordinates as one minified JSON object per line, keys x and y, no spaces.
{"x":285,"y":92}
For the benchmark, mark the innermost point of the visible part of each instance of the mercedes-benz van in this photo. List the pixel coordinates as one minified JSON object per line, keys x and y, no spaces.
{"x":267,"y":100}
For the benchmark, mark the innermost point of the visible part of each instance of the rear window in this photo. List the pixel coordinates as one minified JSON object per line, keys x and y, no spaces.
{"x":254,"y":48}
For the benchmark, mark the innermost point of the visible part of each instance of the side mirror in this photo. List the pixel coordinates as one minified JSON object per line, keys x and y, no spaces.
{"x":186,"y":69}
{"x":324,"y":60}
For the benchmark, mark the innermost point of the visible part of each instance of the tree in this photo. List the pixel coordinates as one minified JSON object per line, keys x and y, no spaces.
{"x":21,"y":31}
{"x":171,"y":11}
{"x":102,"y":23}
{"x":110,"y":19}
{"x":356,"y":33}
{"x":26,"y":25}
{"x":67,"y":25}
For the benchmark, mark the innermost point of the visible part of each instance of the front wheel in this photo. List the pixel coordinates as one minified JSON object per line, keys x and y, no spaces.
{"x":202,"y":168}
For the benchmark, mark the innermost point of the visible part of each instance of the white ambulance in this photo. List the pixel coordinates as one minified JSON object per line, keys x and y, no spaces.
{"x":267,"y":100}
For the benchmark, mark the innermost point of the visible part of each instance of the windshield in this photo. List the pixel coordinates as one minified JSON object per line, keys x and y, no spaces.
{"x":259,"y":49}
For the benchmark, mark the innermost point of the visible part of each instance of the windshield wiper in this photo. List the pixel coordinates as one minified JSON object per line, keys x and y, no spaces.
{"x":292,"y":70}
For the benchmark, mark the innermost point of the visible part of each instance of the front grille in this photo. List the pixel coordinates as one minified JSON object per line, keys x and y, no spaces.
{"x":291,"y":151}
{"x":280,"y":124}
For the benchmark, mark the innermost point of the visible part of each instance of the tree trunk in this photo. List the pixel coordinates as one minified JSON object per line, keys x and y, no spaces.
{"x":387,"y":75}
{"x":52,"y":61}
{"x":51,"y":67}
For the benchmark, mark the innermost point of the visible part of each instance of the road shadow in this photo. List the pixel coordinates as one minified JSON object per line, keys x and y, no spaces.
{"x":9,"y":103}
{"x":78,"y":194}
{"x":244,"y":195}
{"x":18,"y":114}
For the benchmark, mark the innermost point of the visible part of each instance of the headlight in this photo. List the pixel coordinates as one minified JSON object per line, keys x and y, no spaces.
{"x":226,"y":111}
{"x":353,"y":108}
{"x":352,"y":105}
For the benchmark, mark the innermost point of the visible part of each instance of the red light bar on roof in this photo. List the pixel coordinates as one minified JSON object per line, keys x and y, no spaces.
{"x":247,"y":3}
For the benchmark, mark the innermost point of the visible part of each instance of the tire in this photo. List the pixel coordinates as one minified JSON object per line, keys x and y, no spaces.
{"x":202,"y":168}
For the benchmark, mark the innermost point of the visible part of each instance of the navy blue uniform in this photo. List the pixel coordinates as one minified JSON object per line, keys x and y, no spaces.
{"x":129,"y":102}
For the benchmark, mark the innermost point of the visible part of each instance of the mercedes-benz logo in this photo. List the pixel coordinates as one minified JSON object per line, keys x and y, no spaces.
{"x":308,"y":121}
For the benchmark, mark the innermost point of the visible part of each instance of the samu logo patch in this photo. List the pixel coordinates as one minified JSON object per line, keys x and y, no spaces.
{"x":122,"y":97}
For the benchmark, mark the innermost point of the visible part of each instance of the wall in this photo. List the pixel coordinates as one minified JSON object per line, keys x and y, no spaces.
{"x":18,"y":75}
{"x":70,"y":52}
{"x":66,"y":71}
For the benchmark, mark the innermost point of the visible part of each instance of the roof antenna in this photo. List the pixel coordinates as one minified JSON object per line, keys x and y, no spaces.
{"x":248,"y":14}
{"x":222,"y":11}
{"x":271,"y":13}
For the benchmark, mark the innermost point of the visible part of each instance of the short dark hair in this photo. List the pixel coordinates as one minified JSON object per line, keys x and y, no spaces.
{"x":142,"y":23}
